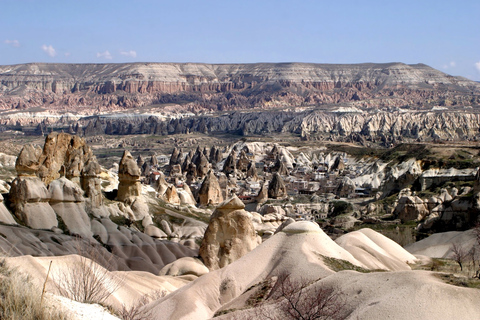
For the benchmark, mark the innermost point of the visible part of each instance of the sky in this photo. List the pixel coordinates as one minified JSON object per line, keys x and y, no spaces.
{"x":442,"y":34}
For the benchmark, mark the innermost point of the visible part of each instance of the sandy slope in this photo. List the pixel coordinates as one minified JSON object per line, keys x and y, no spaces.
{"x":405,"y":295}
{"x":130,"y":285}
{"x":439,"y":245}
{"x":375,"y":250}
{"x":298,"y":249}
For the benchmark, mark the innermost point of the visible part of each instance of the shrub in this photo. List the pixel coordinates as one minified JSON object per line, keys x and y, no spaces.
{"x":139,"y":311}
{"x":20,"y":299}
{"x":296,"y":301}
{"x":87,"y":279}
{"x":340,"y":207}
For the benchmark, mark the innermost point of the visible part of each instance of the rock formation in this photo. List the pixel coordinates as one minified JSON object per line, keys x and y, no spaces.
{"x":210,"y":192}
{"x":252,"y":171}
{"x":27,"y":160}
{"x":410,"y":208}
{"x":280,"y":167}
{"x":66,"y":199}
{"x":5,"y":216}
{"x":171,"y":195}
{"x":29,"y":198}
{"x":140,"y":84}
{"x":63,"y":155}
{"x":91,"y":183}
{"x":230,"y":235}
{"x":129,"y":178}
{"x":262,"y":196}
{"x":229,"y":166}
{"x":129,"y":187}
{"x":276,"y":187}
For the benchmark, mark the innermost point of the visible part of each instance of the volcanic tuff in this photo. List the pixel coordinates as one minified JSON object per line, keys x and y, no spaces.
{"x":227,"y":86}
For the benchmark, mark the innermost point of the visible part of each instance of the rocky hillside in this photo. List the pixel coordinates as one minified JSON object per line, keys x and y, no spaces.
{"x":209,"y":87}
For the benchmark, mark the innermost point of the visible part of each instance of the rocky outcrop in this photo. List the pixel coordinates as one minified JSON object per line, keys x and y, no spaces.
{"x":66,"y":199}
{"x":276,"y":187}
{"x":229,"y":236}
{"x":210,"y":192}
{"x":129,"y":178}
{"x":27,"y":161}
{"x":63,"y":155}
{"x":262,"y":196}
{"x":230,"y":165}
{"x":252,"y":172}
{"x":410,"y":208}
{"x":115,"y":86}
{"x":91,"y":183}
{"x":5,"y":215}
{"x":129,"y":186}
{"x":171,"y":195}
{"x":400,"y":176}
{"x":29,"y":199}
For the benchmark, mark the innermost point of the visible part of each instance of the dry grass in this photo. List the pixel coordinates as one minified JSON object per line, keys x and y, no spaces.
{"x":87,"y":279}
{"x":20,"y":299}
{"x":295,"y":299}
{"x":139,"y":309}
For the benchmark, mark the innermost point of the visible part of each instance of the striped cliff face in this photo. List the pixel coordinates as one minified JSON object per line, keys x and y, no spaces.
{"x":213,"y":87}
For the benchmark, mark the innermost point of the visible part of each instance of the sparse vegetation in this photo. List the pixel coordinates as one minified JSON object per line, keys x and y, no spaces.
{"x":295,"y":299}
{"x":459,"y":281}
{"x":459,"y":254}
{"x":21,"y":300}
{"x":340,"y":265}
{"x":340,"y":207}
{"x":138,"y":310}
{"x":87,"y":279}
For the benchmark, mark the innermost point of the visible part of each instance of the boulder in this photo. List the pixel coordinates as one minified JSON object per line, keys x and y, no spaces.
{"x":230,"y":235}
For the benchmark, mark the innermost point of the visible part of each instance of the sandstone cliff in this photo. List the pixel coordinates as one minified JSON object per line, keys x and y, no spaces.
{"x":227,"y":86}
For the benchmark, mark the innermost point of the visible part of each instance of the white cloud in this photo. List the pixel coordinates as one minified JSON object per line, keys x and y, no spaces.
{"x":67,"y":54}
{"x":105,"y":55}
{"x":13,"y":43}
{"x":477,"y":65}
{"x":130,"y":53}
{"x":49,"y":50}
{"x":451,"y":64}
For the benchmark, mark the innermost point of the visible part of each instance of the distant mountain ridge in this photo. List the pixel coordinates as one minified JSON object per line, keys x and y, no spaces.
{"x":197,"y":87}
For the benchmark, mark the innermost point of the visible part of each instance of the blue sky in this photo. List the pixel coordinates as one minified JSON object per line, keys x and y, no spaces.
{"x":442,"y":34}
